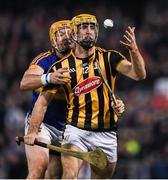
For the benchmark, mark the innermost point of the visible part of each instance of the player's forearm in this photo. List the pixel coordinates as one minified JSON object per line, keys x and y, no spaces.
{"x":37,"y":118}
{"x":30,"y":82}
{"x":39,"y":111}
{"x":138,"y":64}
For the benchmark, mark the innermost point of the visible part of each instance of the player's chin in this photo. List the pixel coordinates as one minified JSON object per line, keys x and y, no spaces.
{"x":88,"y":38}
{"x":65,"y":49}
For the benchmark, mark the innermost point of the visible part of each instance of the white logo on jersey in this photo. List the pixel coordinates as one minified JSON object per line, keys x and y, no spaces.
{"x":71,"y":70}
{"x":85,"y":69}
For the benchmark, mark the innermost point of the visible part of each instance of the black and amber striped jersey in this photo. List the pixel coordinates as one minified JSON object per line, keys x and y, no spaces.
{"x":89,"y":105}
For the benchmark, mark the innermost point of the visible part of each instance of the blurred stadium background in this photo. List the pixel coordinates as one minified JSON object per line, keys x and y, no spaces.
{"x":143,"y":130}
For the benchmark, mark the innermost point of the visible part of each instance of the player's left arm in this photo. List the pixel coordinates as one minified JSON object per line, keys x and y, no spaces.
{"x":136,"y":68}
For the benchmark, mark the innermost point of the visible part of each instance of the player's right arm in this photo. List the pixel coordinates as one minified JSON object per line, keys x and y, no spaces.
{"x":37,"y":116}
{"x":34,"y":78}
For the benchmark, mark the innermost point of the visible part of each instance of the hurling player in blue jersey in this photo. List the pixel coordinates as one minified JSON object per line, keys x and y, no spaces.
{"x":51,"y":129}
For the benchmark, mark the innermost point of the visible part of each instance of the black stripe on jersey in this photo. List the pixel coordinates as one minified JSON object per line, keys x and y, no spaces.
{"x":108,"y":75}
{"x":115,"y":58}
{"x":67,"y":93}
{"x":106,"y":63}
{"x":88,"y":101}
{"x":58,"y":65}
{"x":100,"y":99}
{"x":75,"y":114}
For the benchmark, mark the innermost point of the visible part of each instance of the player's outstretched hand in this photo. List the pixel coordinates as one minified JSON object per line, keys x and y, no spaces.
{"x":129,"y":40}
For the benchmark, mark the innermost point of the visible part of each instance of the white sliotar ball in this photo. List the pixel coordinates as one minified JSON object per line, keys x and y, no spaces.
{"x":108,"y":23}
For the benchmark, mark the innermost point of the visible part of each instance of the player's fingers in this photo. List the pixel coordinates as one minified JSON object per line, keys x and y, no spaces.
{"x":60,"y":81}
{"x":28,"y":140}
{"x":127,"y":38}
{"x":124,"y":43}
{"x":131,"y":30}
{"x":128,"y":34}
{"x":58,"y":75}
{"x":63,"y":70}
{"x":121,"y":109}
{"x":66,"y":76}
{"x":63,"y":81}
{"x":25,"y":140}
{"x":61,"y":77}
{"x":120,"y":106}
{"x":131,"y":37}
{"x":62,"y":74}
{"x":119,"y":102}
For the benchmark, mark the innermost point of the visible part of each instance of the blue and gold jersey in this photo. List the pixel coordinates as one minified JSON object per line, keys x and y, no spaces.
{"x":56,"y":111}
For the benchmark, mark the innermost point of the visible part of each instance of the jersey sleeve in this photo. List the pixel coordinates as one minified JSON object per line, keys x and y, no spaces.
{"x":42,"y":61}
{"x":115,"y":59}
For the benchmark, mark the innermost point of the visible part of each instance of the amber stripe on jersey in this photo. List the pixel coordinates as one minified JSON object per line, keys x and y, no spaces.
{"x":100,"y":96}
{"x":89,"y":104}
{"x":75,"y":103}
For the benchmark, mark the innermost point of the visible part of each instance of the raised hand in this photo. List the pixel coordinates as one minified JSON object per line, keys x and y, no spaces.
{"x":129,"y":39}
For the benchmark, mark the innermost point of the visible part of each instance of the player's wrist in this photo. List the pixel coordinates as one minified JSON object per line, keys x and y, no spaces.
{"x":33,"y":129}
{"x":45,"y":79}
{"x":134,"y":50}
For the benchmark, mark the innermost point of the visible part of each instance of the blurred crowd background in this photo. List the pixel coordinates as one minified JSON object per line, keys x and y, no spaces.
{"x":143,"y":129}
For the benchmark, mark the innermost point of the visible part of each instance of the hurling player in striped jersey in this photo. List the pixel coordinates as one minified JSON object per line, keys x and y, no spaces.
{"x":91,"y":121}
{"x":89,"y":107}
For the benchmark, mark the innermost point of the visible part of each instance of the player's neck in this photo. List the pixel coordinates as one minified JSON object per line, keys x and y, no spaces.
{"x":82,"y":53}
{"x":58,"y":54}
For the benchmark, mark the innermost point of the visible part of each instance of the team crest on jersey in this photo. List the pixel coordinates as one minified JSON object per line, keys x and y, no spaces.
{"x":87,"y":85}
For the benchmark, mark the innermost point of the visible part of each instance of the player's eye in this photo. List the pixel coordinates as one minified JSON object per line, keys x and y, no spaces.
{"x":92,"y":26}
{"x":85,"y":26}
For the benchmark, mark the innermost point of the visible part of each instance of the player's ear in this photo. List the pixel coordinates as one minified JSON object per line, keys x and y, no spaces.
{"x":55,"y":44}
{"x":74,"y":36}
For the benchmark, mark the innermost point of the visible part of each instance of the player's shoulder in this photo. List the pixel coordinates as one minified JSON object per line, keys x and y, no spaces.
{"x":42,"y":56}
{"x":65,"y":58}
{"x":102,"y":50}
{"x":111,"y":51}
